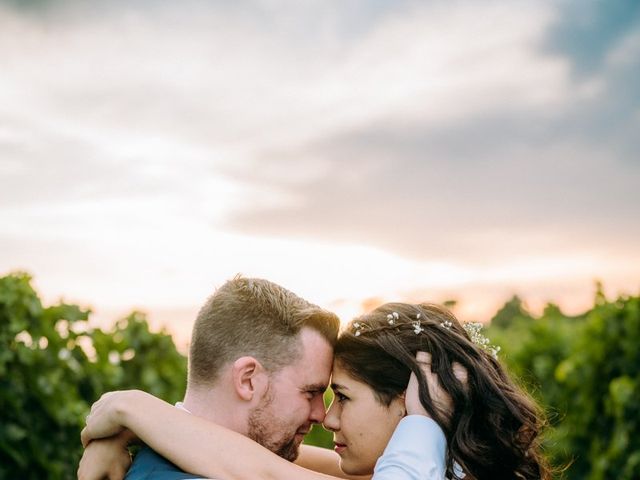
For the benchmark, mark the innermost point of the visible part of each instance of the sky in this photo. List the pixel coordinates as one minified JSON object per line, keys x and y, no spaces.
{"x":355,"y":152}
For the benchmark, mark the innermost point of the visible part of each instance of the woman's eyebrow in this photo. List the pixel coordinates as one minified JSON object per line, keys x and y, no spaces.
{"x":337,"y":386}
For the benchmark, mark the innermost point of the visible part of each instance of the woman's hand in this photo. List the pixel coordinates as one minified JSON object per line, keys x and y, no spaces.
{"x":441,"y":399}
{"x":106,"y":458}
{"x":105,"y":418}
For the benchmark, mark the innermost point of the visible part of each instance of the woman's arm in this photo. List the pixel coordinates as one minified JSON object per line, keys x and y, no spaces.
{"x":325,"y":461}
{"x":416,"y":451}
{"x":106,"y":458}
{"x":204,"y":448}
{"x":189,"y":441}
{"x":417,"y":448}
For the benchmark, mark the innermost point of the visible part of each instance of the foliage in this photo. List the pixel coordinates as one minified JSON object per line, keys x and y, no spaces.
{"x":585,"y":370}
{"x":513,"y":310}
{"x":600,"y":382}
{"x":53,"y":366}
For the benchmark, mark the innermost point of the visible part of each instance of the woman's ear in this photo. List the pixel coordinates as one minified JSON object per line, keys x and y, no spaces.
{"x":398,"y":407}
{"x":250,"y":379}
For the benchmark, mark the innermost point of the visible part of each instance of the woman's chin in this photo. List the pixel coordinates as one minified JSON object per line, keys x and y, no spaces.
{"x":355,"y":468}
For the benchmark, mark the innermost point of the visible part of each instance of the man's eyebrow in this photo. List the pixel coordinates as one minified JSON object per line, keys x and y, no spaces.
{"x":316,"y":387}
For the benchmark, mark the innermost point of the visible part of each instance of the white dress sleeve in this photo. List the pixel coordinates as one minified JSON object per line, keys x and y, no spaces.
{"x":416,"y":451}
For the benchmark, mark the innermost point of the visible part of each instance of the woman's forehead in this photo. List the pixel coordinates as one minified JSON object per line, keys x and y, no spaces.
{"x":340,"y":376}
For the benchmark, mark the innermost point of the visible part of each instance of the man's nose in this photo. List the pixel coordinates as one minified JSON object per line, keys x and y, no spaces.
{"x":317,"y":409}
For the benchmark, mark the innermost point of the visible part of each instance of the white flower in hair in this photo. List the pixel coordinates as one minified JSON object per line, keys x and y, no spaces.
{"x":417,"y":327}
{"x":474,"y":331}
{"x":392,"y":317}
{"x":357,"y":326}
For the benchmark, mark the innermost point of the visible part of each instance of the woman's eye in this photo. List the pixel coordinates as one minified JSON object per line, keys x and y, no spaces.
{"x":340,"y":397}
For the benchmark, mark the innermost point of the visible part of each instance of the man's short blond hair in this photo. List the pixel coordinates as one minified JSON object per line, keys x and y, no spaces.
{"x":253,"y":317}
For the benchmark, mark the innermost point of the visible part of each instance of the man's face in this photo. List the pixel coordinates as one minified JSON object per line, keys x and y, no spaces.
{"x":294,"y":400}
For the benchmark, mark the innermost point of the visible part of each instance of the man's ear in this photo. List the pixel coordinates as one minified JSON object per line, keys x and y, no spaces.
{"x":250,"y":379}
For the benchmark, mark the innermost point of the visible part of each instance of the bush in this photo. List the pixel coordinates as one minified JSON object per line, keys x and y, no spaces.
{"x":585,"y":371}
{"x":53,"y":367}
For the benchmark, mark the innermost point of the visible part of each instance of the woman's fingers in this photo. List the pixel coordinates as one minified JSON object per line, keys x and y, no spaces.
{"x":105,"y":459}
{"x":423,"y":357}
{"x":460,"y":373}
{"x":412,"y":395}
{"x":84,"y":437}
{"x":441,"y":399}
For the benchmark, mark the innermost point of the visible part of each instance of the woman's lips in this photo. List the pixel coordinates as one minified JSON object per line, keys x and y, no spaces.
{"x":339,"y":447}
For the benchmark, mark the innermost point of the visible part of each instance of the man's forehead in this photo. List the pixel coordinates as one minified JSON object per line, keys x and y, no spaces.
{"x":308,"y":375}
{"x":312,"y":378}
{"x":317,"y":360}
{"x":316,"y":376}
{"x":312,"y":367}
{"x":313,"y":340}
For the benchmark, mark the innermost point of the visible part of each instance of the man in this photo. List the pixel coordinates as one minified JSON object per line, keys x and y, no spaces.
{"x":259,"y":362}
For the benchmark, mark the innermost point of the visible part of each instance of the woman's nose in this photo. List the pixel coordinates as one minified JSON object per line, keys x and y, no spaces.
{"x":332,"y":418}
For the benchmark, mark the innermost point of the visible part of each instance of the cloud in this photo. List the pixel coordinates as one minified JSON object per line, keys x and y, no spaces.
{"x":378,"y":125}
{"x":219,"y":77}
{"x":483,"y":168}
{"x":439,"y":142}
{"x":406,"y":194}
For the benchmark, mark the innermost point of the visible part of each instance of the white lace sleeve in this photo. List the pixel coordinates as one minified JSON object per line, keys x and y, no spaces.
{"x":416,"y":451}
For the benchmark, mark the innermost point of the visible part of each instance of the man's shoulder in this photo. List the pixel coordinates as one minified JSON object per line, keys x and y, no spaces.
{"x":149,"y":465}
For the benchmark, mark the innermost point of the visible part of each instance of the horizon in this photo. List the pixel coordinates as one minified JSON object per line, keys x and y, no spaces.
{"x":178,"y":321}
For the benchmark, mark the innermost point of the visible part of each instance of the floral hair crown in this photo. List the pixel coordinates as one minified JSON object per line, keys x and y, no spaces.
{"x":473,"y":329}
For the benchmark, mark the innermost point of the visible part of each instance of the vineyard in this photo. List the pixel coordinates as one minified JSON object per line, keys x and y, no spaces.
{"x":584,"y":370}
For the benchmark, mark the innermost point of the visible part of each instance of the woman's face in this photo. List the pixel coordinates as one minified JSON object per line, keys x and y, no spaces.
{"x":361,"y":425}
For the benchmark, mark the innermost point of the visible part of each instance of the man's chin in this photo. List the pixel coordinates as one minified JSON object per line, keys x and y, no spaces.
{"x":291,"y":449}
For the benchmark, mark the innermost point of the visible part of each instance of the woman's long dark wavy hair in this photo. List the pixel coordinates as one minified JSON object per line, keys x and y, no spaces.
{"x":493,"y":430}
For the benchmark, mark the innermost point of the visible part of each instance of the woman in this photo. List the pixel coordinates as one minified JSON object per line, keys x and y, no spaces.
{"x":491,"y":427}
